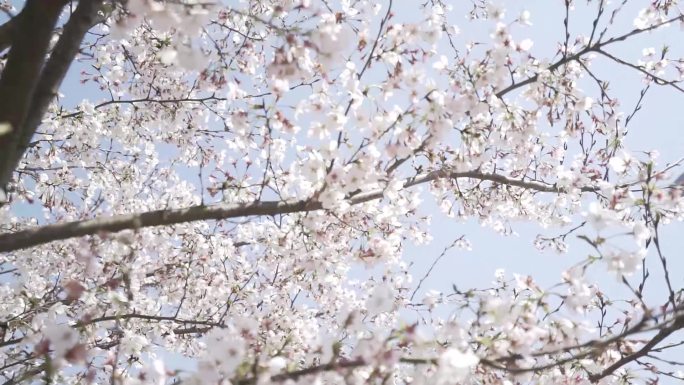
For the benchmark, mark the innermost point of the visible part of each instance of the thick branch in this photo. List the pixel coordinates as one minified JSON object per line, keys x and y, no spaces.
{"x":63,"y":54}
{"x":30,"y":42}
{"x":296,"y":374}
{"x":45,"y":234}
{"x":6,"y":32}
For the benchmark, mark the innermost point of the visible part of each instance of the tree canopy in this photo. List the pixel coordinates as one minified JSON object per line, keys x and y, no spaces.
{"x":223,"y":192}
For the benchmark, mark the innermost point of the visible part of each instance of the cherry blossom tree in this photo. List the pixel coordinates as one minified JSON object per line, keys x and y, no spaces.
{"x":211,"y":189}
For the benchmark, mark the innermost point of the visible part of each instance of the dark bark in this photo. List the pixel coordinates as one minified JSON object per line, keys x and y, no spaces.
{"x":29,"y":83}
{"x":30,"y":39}
{"x":6,"y":32}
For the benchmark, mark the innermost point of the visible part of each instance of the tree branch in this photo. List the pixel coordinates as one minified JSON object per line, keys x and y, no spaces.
{"x":51,"y":77}
{"x":657,"y":79}
{"x":45,"y":234}
{"x":30,"y":43}
{"x":595,"y":47}
{"x":198,"y":326}
{"x":294,"y":375}
{"x":659,"y":337}
{"x":7,"y":32}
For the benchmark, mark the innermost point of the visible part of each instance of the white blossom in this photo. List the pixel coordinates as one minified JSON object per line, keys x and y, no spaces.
{"x":455,"y":365}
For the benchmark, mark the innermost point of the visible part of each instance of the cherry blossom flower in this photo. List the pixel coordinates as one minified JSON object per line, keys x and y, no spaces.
{"x":621,"y":164}
{"x":61,"y":339}
{"x":381,"y":299}
{"x":599,"y":217}
{"x":455,"y":365}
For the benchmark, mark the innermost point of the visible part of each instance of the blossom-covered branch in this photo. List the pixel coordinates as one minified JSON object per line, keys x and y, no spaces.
{"x":49,"y":233}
